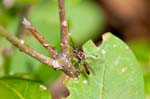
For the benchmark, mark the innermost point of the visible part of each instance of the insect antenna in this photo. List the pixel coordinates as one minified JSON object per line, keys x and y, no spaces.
{"x":70,"y":38}
{"x":72,"y":44}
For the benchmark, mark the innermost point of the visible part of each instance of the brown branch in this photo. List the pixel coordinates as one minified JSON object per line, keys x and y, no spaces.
{"x":39,"y":37}
{"x":23,"y":47}
{"x":68,"y":67}
{"x":60,"y":63}
{"x":61,"y":60}
{"x":63,"y":26}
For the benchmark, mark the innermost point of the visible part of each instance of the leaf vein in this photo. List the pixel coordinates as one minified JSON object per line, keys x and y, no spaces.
{"x":12,"y":89}
{"x":102,"y":84}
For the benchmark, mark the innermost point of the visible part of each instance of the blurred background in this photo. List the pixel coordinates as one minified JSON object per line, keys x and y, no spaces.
{"x":88,"y":19}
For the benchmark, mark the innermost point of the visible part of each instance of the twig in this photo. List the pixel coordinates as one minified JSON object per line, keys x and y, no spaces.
{"x":39,"y":37}
{"x":61,"y":61}
{"x":24,"y":13}
{"x":65,"y":54}
{"x":23,"y":47}
{"x":63,"y":26}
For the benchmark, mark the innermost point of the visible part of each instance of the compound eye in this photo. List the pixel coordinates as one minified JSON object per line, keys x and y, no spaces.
{"x":75,"y":51}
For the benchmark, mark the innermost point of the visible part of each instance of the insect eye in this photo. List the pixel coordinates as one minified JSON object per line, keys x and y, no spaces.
{"x":75,"y":51}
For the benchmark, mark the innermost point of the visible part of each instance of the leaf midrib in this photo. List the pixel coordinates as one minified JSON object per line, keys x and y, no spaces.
{"x":102,"y":84}
{"x":12,"y":89}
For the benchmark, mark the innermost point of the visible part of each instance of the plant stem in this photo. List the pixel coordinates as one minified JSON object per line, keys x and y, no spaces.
{"x":23,"y":47}
{"x":61,"y":62}
{"x":63,"y":27}
{"x":40,"y":38}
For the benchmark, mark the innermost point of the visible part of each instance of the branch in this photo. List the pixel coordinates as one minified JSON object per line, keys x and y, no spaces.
{"x":61,"y":61}
{"x":63,"y":26}
{"x":23,"y":47}
{"x":68,"y":67}
{"x":39,"y":37}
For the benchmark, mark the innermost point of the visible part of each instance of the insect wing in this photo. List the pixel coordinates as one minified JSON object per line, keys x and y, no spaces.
{"x":87,"y":67}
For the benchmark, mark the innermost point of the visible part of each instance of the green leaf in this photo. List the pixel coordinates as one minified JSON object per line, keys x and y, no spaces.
{"x":1,"y":66}
{"x":13,"y":88}
{"x":147,"y":86}
{"x":119,"y":76}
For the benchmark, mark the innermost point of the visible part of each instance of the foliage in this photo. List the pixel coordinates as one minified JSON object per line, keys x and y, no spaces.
{"x":116,"y":74}
{"x":141,"y":48}
{"x":22,"y":89}
{"x":118,"y":77}
{"x":29,"y":67}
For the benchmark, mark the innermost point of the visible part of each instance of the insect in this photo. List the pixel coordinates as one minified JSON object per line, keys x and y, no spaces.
{"x":79,"y":54}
